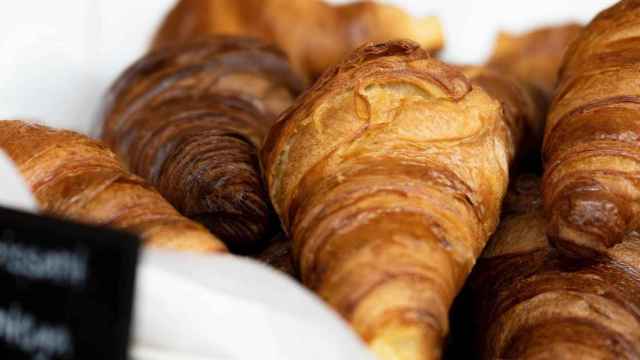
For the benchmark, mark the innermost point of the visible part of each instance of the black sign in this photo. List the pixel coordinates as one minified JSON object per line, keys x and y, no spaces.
{"x":66,"y":290}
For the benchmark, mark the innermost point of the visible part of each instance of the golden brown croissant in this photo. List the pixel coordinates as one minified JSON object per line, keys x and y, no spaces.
{"x":534,"y":56}
{"x":78,"y":178}
{"x":592,"y":158}
{"x":189,"y":119}
{"x":388,"y":174}
{"x":314,"y":34}
{"x":524,"y":107}
{"x":531,"y":303}
{"x":278,"y":255}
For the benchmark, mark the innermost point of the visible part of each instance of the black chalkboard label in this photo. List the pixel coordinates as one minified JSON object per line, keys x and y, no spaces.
{"x":66,"y":290}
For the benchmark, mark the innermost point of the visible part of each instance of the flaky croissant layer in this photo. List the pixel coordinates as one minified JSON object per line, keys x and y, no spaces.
{"x":530,"y":302}
{"x":77,"y":178}
{"x":313,"y":33}
{"x":523,"y":109}
{"x":535,"y":56}
{"x":189,"y":119}
{"x":591,"y":152}
{"x":388,"y":175}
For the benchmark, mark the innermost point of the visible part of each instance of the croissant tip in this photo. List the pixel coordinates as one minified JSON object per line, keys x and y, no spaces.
{"x":405,"y":342}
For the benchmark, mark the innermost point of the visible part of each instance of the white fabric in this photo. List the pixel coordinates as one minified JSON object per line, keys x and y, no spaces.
{"x":14,"y":192}
{"x":226,"y":307}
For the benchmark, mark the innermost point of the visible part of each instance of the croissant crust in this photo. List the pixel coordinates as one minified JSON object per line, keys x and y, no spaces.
{"x":531,"y":302}
{"x":314,"y":34}
{"x":535,"y":56}
{"x":591,"y":152}
{"x":189,"y":119}
{"x":388,"y":175}
{"x":78,"y":178}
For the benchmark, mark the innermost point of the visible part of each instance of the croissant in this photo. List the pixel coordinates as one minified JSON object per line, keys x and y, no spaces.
{"x":590,"y":186}
{"x":530,"y":302}
{"x":534,"y":56}
{"x":189,"y":119}
{"x":523,"y":107}
{"x":388,"y":174}
{"x":77,"y":178}
{"x":314,"y":34}
{"x":278,"y":255}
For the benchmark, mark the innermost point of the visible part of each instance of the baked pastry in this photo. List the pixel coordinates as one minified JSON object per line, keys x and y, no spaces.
{"x":524,"y":109}
{"x":77,"y":178}
{"x":189,"y":119}
{"x":591,"y":152}
{"x":388,"y":174}
{"x":314,"y":34}
{"x":278,"y":255}
{"x":530,"y":302}
{"x":524,"y":104}
{"x":528,"y":64}
{"x":534,"y":56}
